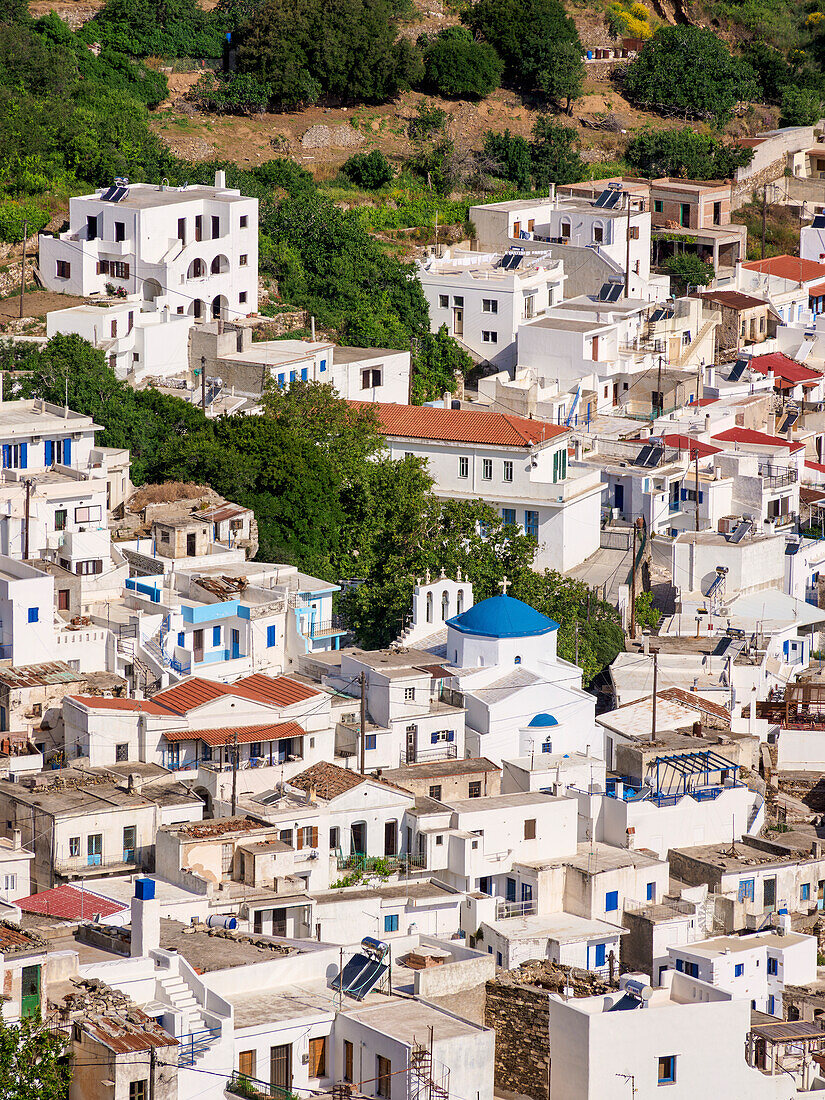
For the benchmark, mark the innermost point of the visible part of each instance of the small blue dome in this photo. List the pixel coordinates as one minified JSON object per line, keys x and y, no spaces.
{"x":503,"y":617}
{"x":543,"y":720}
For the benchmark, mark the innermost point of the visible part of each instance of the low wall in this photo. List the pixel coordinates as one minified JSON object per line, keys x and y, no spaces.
{"x":453,"y":977}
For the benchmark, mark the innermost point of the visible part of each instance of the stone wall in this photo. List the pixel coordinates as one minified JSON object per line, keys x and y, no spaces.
{"x":520,"y":1016}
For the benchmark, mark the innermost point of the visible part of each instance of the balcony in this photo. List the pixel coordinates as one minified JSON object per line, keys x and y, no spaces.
{"x":446,"y":751}
{"x":506,"y":909}
{"x":388,"y":865}
{"x":80,"y":866}
{"x":776,"y":477}
{"x":325,"y":629}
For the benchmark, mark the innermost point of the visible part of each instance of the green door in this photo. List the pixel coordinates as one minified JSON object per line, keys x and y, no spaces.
{"x":30,"y":998}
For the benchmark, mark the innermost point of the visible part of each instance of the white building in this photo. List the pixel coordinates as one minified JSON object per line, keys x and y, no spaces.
{"x":193,"y":249}
{"x":519,"y":466}
{"x":753,"y":968}
{"x":684,"y":1038}
{"x":483,"y":297}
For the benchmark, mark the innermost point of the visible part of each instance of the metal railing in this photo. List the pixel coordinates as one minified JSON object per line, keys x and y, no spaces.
{"x":334,"y":625}
{"x":775,"y":477}
{"x":447,"y":751}
{"x":93,"y":863}
{"x":505,"y":909}
{"x":195,"y":1043}
{"x":391,"y":865}
{"x":241,"y":1084}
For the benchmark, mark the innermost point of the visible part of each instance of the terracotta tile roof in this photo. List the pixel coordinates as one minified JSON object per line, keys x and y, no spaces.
{"x":695,"y":702}
{"x":689,"y":444}
{"x":759,"y":439}
{"x":70,"y":903}
{"x":816,"y":291}
{"x":785,"y":368}
{"x":271,"y":731}
{"x":123,"y":1036}
{"x":809,"y":495}
{"x":189,"y":694}
{"x":101,"y":702}
{"x":280,"y":691}
{"x":791,"y":268}
{"x":328,"y":780}
{"x":733,"y":299}
{"x":15,"y":939}
{"x":220,"y":826}
{"x":463,"y":425}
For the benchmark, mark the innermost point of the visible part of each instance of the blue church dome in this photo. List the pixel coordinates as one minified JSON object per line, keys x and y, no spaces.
{"x":503,"y":617}
{"x":543,"y":720}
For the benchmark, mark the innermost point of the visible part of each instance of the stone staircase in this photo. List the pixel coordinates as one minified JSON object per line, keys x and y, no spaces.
{"x":696,"y":341}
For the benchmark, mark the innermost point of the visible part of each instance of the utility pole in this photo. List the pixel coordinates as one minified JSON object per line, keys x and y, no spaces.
{"x":203,"y":384}
{"x":363,"y":682}
{"x":764,"y":215}
{"x":699,"y":370}
{"x":152,"y":1066}
{"x":627,"y":252}
{"x":23,"y":265}
{"x":660,"y":401}
{"x":28,"y":484}
{"x":576,"y":643}
{"x":633,"y":586}
{"x":696,"y":485}
{"x":430,"y":1074}
{"x":235,"y":773}
{"x":655,"y":653}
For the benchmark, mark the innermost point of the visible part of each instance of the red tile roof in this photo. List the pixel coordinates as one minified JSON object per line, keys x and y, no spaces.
{"x":816,"y":291}
{"x":70,"y":903}
{"x":268,"y":731}
{"x":189,"y":694}
{"x":280,"y":691}
{"x":784,"y":368}
{"x":102,"y":702}
{"x":792,"y":268}
{"x":328,"y":780}
{"x":815,"y":466}
{"x":123,"y":1036}
{"x":733,"y":299}
{"x":463,"y":425}
{"x":691,"y":445}
{"x":758,"y":439}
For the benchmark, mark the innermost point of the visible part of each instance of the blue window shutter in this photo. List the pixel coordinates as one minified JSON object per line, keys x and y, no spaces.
{"x":67,"y":452}
{"x":282,"y":380}
{"x":304,"y":374}
{"x":701,"y":496}
{"x":323,"y":365}
{"x":451,"y":735}
{"x":271,"y":635}
{"x":433,"y":738}
{"x":683,"y":494}
{"x":6,"y":456}
{"x":181,"y":638}
{"x":24,"y":456}
{"x":49,"y":452}
{"x":601,"y":953}
{"x":216,"y":635}
{"x":680,"y":965}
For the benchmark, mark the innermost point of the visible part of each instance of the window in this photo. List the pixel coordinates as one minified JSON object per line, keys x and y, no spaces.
{"x":489,"y":337}
{"x":435,"y":792}
{"x":87,"y":515}
{"x":89,"y":568}
{"x":598,"y":234}
{"x":348,"y":1051}
{"x":438,"y":736}
{"x":738,"y":970}
{"x":63,"y":269}
{"x":773,"y":965}
{"x":651,"y":891}
{"x":243,"y":260}
{"x":63,"y":599}
{"x":181,"y":638}
{"x":318,"y":1057}
{"x":74,"y":845}
{"x":391,"y":922}
{"x":634,"y":233}
{"x":182,"y":230}
{"x":34,"y":614}
{"x":246,"y":1063}
{"x":547,"y":746}
{"x":531,"y":524}
{"x":198,"y":227}
{"x":805,"y":891}
{"x":409,"y":693}
{"x":383,"y":1077}
{"x":271,"y":636}
{"x":242,"y":297}
{"x":463,"y":467}
{"x":489,"y":305}
{"x":138,"y":1090}
{"x":746,"y":889}
{"x":508,"y":515}
{"x":334,"y":838}
{"x":443,"y":301}
{"x":244,"y":221}
{"x":129,"y":842}
{"x":370,"y":378}
{"x":658,"y":206}
{"x":667,"y":1069}
{"x":121,"y":753}
{"x":9,"y":883}
{"x":611,"y":901}
{"x":565,"y":231}
{"x":487,"y":469}
{"x":118,"y":269}
{"x":474,"y":789}
{"x":508,"y":471}
{"x":771,"y":1005}
{"x":530,"y":829}
{"x":216,"y":226}
{"x":323,"y":366}
{"x":439,"y":839}
{"x":120,"y":231}
{"x":370,"y":741}
{"x":60,"y":519}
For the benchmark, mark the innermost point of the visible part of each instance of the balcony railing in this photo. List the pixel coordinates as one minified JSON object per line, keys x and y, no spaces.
{"x":776,"y":477}
{"x":195,"y":1043}
{"x":505,"y":909}
{"x":391,"y":865}
{"x":446,"y":751}
{"x":241,"y":1084}
{"x":92,"y":864}
{"x":325,"y":629}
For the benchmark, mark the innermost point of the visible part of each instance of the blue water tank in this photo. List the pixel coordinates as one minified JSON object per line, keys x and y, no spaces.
{"x":144,"y":889}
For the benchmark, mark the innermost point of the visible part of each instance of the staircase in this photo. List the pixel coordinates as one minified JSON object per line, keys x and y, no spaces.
{"x":697,"y":339}
{"x":425,"y":1081}
{"x":127,"y":646}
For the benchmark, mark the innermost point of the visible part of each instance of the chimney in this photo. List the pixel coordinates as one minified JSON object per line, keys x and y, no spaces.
{"x":220,"y":178}
{"x":17,"y":839}
{"x":145,"y":919}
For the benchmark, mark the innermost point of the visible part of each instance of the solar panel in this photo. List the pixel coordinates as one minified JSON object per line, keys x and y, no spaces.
{"x":738,"y":370}
{"x":791,"y":417}
{"x":115,"y":193}
{"x":741,"y":530}
{"x":608,"y":199}
{"x":107,"y":197}
{"x":644,"y":455}
{"x":610,"y":292}
{"x":360,"y":975}
{"x":818,"y":222}
{"x":729,"y":648}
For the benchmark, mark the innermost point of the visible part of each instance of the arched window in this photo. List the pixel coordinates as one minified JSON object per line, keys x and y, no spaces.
{"x":460,"y":601}
{"x":445,"y":606}
{"x":565,"y":231}
{"x":429,"y":607}
{"x":517,"y":660}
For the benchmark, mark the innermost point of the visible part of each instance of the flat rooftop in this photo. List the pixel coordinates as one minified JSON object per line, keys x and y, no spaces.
{"x":206,"y":951}
{"x":595,"y":858}
{"x":719,"y":855}
{"x":501,"y":801}
{"x":140,"y":196}
{"x":414,"y":891}
{"x":561,"y":927}
{"x":407,"y":1020}
{"x":439,"y":769}
{"x":726,"y":945}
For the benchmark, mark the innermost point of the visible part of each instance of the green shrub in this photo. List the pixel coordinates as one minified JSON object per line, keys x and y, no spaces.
{"x":456,"y":65}
{"x":13,"y":215}
{"x":801,"y":106}
{"x":688,"y":270}
{"x":368,"y":170}
{"x":165,"y":28}
{"x":509,"y":157}
{"x":686,"y":154}
{"x":232,"y":93}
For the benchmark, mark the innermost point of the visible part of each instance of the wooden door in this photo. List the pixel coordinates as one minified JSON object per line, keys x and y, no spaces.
{"x":458,"y":321}
{"x":318,"y":1057}
{"x":30,"y":990}
{"x":280,"y":1068}
{"x":246,"y":1063}
{"x":197,"y":644}
{"x":390,"y":838}
{"x":347,"y":1060}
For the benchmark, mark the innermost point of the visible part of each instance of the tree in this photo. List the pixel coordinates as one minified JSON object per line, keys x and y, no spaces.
{"x":456,"y":65}
{"x":33,"y":1062}
{"x":689,"y":270}
{"x":563,"y":82}
{"x":647,"y":617}
{"x":801,"y":106}
{"x":771,"y":67}
{"x":686,"y":154}
{"x":368,"y":170}
{"x":553,"y":154}
{"x":437,"y":366}
{"x":689,"y":71}
{"x":509,"y":156}
{"x":143,"y":28}
{"x":531,"y":38}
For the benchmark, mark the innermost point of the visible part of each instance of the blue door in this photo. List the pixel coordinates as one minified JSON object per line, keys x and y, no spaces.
{"x":511,"y":889}
{"x":619,"y":498}
{"x":236,"y":644}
